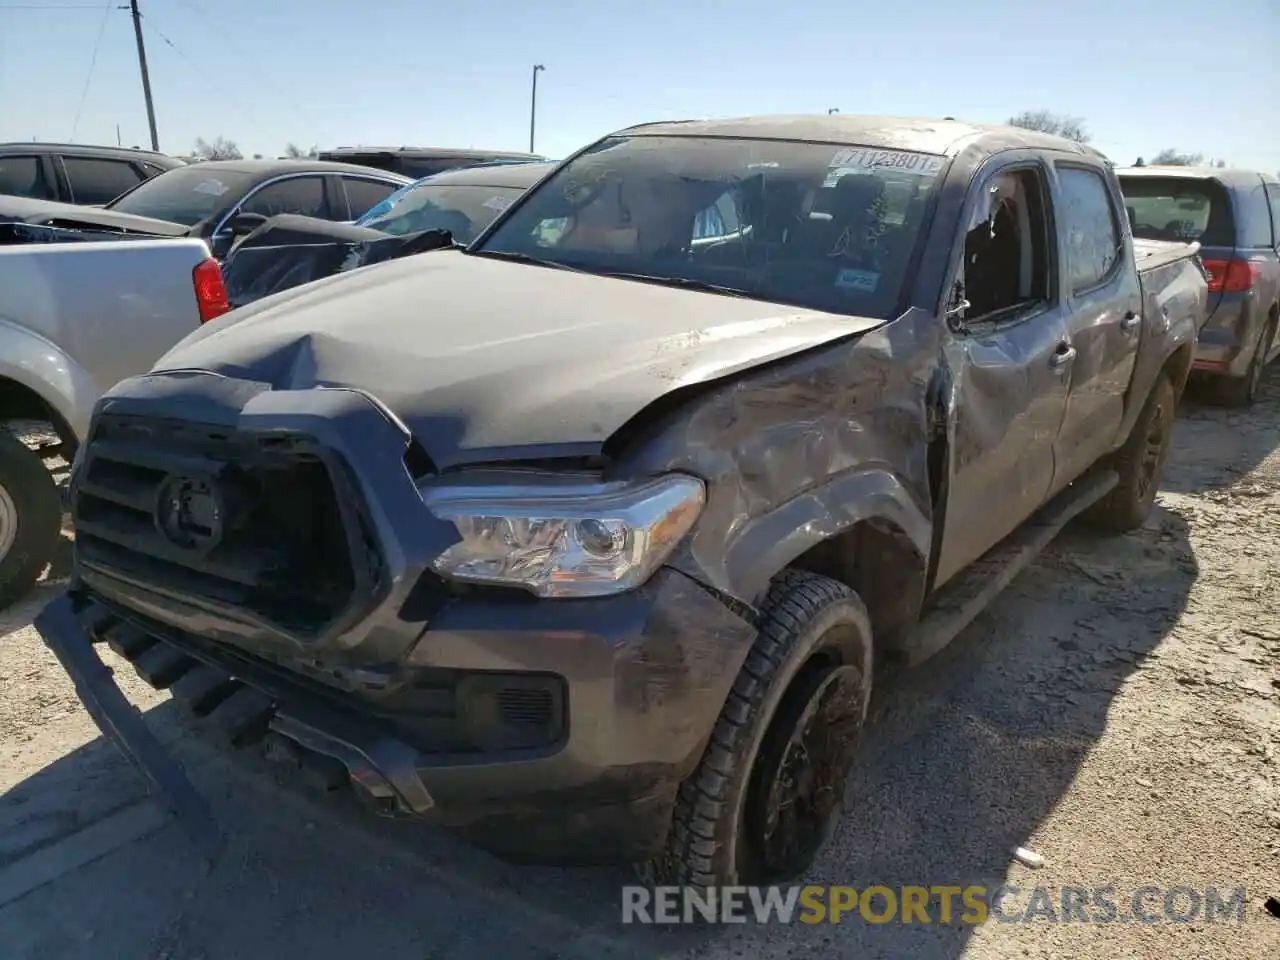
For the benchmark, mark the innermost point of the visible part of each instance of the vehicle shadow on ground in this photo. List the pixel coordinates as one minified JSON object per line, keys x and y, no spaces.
{"x":964,"y":757}
{"x":1214,"y":445}
{"x":18,"y":614}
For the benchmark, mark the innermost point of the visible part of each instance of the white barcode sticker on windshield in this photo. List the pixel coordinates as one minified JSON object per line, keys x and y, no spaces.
{"x":864,"y":281}
{"x":854,"y":159}
{"x":498,"y":203}
{"x":214,"y":188}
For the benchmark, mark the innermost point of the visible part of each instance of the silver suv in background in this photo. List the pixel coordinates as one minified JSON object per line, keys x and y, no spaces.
{"x":1235,"y":217}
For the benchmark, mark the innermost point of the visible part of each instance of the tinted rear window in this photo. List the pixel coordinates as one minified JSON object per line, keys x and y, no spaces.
{"x":1180,"y":209}
{"x":24,"y":177}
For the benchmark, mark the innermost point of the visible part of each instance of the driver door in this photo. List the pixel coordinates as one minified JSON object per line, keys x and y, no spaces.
{"x":1010,"y":361}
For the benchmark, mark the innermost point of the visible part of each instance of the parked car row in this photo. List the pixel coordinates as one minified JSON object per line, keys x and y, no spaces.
{"x":584,"y":536}
{"x":221,"y":201}
{"x":81,"y":308}
{"x":446,"y":208}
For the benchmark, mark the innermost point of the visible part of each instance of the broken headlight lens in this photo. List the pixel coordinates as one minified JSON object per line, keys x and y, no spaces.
{"x":565,"y":539}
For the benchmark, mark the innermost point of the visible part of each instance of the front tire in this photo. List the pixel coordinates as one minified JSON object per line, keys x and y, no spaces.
{"x":30,"y":517}
{"x":1140,"y":463}
{"x":769,"y":789}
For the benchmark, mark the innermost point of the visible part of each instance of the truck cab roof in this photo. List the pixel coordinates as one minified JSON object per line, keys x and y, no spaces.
{"x":936,"y":135}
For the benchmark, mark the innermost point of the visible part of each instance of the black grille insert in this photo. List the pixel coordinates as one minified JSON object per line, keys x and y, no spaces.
{"x":251,"y":523}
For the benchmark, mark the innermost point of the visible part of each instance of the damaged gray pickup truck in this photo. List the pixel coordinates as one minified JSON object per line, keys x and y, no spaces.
{"x":586,"y":538}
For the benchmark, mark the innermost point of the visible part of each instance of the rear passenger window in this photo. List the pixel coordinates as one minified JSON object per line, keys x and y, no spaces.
{"x":23,"y":177}
{"x":301,"y":195}
{"x":363,"y":195}
{"x":1089,"y":226}
{"x":96,"y":181}
{"x":1255,"y":217}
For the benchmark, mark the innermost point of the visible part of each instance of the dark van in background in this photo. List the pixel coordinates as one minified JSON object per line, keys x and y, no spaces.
{"x":1235,"y":217}
{"x":418,"y":162}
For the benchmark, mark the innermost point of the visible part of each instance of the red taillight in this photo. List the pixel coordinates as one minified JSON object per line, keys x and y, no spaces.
{"x":1231,"y":276}
{"x":211,"y":293}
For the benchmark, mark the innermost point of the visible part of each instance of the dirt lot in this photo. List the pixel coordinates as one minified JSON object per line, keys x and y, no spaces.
{"x":1117,"y":711}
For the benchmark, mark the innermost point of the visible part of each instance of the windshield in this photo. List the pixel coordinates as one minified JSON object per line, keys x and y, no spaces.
{"x":816,"y":225}
{"x":463,"y":210}
{"x":1182,"y":209}
{"x":184,"y":195}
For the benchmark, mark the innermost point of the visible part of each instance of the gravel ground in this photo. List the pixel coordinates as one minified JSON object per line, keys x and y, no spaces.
{"x":1117,"y":711}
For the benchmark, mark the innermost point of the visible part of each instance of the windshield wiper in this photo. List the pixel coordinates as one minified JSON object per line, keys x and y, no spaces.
{"x":685,"y":282}
{"x":524,"y":258}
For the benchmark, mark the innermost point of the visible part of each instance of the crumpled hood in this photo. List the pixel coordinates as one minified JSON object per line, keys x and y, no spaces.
{"x":488,"y":360}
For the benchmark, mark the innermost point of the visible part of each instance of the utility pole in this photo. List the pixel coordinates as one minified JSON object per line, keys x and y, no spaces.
{"x":533,"y":103}
{"x":146,"y":78}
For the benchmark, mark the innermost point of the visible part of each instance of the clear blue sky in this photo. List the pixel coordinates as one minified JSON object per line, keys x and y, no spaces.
{"x":1144,"y":74}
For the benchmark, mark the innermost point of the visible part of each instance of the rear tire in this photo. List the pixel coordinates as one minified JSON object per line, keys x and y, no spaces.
{"x":30,"y":517}
{"x":1243,"y":391}
{"x":1140,"y":463}
{"x":769,"y":789}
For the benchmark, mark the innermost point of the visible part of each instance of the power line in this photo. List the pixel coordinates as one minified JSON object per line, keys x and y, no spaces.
{"x":217,"y":28}
{"x":189,"y":62}
{"x":93,"y":61}
{"x":49,"y":6}
{"x":231,"y":45}
{"x":213,"y":84}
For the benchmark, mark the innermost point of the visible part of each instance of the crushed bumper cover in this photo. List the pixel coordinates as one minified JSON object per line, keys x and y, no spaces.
{"x":596,"y":797}
{"x":68,"y":632}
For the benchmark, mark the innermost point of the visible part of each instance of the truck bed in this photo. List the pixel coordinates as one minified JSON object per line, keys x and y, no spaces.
{"x":108,"y":309}
{"x":1150,"y":254}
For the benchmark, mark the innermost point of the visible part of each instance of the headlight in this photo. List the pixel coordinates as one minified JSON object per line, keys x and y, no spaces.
{"x":565,"y":539}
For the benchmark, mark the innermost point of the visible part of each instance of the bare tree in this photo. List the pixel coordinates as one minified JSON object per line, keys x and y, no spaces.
{"x":220,"y":148}
{"x":294,"y":152}
{"x":1057,"y":124}
{"x":1170,"y":157}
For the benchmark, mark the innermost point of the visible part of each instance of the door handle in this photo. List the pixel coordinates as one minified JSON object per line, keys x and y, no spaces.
{"x":1130,"y":322}
{"x":1063,"y":355}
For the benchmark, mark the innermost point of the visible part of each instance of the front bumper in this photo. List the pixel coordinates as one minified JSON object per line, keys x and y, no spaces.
{"x":646,"y":675}
{"x":554,"y":730}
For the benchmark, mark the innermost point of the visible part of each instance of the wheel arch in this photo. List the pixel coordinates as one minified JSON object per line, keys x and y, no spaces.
{"x":862,"y":529}
{"x":36,"y":374}
{"x":20,"y":402}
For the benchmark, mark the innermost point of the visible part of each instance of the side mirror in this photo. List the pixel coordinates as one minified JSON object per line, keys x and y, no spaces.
{"x":243,"y":223}
{"x":955,"y":309}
